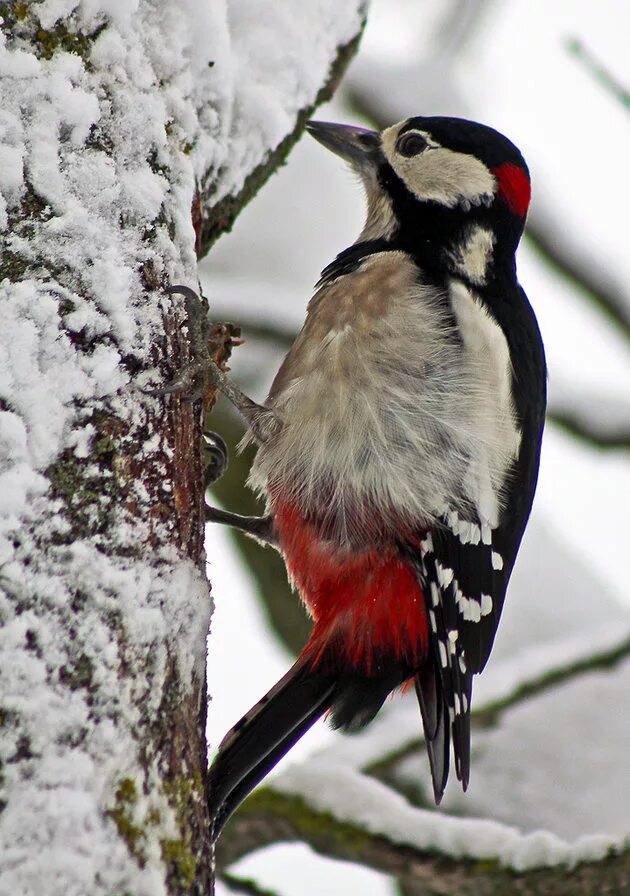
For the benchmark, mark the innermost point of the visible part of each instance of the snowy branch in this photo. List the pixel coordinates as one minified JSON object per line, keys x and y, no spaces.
{"x":271,"y":816}
{"x":341,"y":810}
{"x":220,"y":217}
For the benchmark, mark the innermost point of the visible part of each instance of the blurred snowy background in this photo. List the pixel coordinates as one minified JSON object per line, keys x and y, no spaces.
{"x":554,"y":78}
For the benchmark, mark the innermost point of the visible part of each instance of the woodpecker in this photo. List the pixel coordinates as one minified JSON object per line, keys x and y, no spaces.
{"x":398,"y":448}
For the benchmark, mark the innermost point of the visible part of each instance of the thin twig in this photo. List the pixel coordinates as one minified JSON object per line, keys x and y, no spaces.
{"x":597,"y":285}
{"x":598,"y":70}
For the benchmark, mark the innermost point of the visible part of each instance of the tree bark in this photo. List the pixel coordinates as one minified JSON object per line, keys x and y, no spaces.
{"x":105,"y":606}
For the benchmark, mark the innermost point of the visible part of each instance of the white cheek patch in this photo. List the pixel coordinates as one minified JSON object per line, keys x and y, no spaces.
{"x":440,"y":175}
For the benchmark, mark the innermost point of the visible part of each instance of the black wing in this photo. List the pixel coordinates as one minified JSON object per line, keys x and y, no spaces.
{"x":464,"y":577}
{"x":465,"y":565}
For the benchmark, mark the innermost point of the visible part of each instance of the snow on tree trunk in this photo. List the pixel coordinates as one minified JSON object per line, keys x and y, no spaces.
{"x":117,"y":119}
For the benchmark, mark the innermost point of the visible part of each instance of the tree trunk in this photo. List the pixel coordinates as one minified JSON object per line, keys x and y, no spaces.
{"x":116,"y":130}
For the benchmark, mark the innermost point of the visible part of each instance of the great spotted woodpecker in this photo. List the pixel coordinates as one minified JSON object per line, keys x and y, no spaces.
{"x":398,"y":449}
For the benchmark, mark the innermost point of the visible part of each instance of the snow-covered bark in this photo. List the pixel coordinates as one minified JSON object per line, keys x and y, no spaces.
{"x":126,"y":130}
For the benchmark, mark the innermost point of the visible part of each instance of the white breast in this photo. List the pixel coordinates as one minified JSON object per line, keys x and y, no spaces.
{"x":382,"y":405}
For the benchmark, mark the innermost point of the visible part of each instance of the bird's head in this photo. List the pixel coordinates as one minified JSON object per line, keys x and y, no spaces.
{"x":432,"y":184}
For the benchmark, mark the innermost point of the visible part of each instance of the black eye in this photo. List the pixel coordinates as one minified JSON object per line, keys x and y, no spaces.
{"x":411,"y":144}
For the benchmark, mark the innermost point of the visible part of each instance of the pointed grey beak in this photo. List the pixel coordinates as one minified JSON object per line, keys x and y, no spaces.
{"x":359,"y":146}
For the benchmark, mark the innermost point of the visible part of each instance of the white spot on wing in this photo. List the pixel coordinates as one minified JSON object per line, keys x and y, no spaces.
{"x":467,"y":532}
{"x":486,"y":604}
{"x":497,"y":560}
{"x":444,"y":574}
{"x":443,"y":655}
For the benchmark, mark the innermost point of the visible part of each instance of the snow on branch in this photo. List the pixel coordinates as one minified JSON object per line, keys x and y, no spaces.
{"x":279,"y":69}
{"x":423,"y":850}
{"x":335,"y":804}
{"x":533,"y":671}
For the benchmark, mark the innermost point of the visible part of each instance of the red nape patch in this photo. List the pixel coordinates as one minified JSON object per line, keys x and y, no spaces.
{"x":367,"y":603}
{"x":514,"y":187}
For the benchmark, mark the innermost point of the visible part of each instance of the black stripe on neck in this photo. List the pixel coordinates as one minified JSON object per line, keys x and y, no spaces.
{"x":350,"y":259}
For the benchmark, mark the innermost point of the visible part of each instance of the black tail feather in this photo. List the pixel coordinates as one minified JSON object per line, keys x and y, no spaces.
{"x":435,"y":720}
{"x":263,"y":736}
{"x":461,"y":733}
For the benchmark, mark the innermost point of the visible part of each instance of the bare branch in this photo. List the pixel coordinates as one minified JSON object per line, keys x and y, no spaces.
{"x":598,"y":70}
{"x":609,"y":432}
{"x":584,"y":273}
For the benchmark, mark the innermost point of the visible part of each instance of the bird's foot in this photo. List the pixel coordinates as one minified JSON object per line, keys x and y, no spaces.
{"x":203,"y":373}
{"x":215,"y":458}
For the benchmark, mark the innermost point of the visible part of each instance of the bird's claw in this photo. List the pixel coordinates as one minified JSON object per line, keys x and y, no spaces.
{"x":202,"y":373}
{"x":215,"y":456}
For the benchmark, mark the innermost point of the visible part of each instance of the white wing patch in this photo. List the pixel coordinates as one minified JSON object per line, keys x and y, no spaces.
{"x":488,"y":360}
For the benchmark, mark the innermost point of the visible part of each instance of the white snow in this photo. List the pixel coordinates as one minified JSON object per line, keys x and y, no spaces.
{"x":285,"y":869}
{"x":372,"y":806}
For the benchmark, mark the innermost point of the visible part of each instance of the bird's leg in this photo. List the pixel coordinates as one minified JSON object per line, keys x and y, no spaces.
{"x":215,"y":465}
{"x":263,"y":422}
{"x":258,"y":527}
{"x":203,"y":373}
